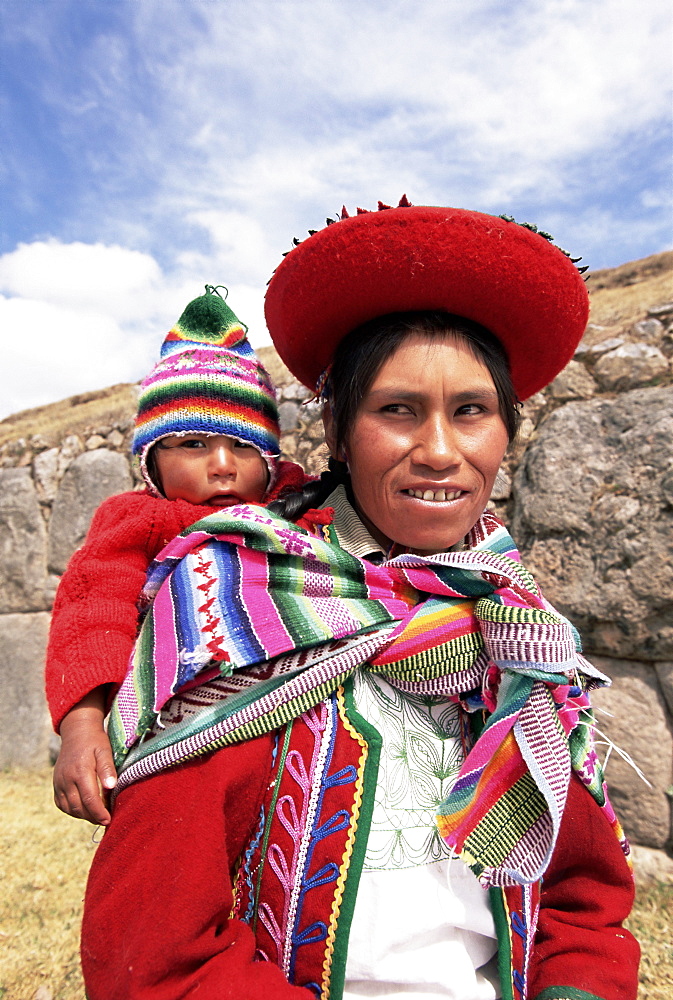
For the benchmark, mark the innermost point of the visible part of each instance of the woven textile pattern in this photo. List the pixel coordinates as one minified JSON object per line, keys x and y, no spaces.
{"x":242,"y":588}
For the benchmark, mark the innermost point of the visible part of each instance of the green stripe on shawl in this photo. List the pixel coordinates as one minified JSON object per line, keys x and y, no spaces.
{"x":565,"y":993}
{"x":496,"y":897}
{"x":460,"y":653}
{"x":507,"y":820}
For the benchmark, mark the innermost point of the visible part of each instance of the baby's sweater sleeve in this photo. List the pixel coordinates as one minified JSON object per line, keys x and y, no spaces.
{"x":95,"y":614}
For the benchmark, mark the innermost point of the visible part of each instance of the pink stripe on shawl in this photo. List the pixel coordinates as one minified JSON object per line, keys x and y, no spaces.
{"x":409,"y":636}
{"x":166,"y":652}
{"x":261,"y":610}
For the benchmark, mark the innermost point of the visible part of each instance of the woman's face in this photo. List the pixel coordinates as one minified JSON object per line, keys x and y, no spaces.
{"x":426,"y":445}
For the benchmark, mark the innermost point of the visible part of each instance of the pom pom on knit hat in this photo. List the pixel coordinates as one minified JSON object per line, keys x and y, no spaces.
{"x":208,"y":381}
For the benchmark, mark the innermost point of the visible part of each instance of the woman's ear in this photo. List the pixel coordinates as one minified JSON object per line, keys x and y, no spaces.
{"x":330,"y":429}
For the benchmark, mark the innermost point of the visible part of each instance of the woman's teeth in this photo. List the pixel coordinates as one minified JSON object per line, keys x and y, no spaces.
{"x":437,"y":495}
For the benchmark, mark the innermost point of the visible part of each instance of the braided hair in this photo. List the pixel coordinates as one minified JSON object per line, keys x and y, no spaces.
{"x":312,"y":494}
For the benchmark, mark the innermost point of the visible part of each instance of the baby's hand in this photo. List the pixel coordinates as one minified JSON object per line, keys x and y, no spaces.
{"x":85,"y":771}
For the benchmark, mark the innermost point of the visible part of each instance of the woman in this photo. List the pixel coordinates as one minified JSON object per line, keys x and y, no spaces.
{"x":383,"y":782}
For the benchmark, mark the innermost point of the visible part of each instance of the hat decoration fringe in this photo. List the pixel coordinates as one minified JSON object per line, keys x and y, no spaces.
{"x":405,"y":203}
{"x":547,"y":236}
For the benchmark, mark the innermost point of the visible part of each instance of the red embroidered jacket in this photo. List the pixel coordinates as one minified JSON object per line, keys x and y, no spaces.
{"x":188,"y":892}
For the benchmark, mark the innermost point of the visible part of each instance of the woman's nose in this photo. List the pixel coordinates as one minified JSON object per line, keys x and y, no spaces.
{"x":222,"y":461}
{"x":437,"y":445}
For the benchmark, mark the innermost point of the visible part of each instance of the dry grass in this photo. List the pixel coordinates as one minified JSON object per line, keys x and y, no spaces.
{"x":44,"y":860}
{"x":622,"y":295}
{"x":72,"y":415}
{"x":650,"y":922}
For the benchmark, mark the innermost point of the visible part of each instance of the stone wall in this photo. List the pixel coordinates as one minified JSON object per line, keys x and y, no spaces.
{"x":588,"y":490}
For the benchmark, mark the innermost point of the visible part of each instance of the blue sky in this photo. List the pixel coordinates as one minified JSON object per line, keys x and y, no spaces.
{"x":151,"y":146}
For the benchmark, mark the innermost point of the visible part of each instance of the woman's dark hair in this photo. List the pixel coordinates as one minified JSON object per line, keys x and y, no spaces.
{"x":357,"y":361}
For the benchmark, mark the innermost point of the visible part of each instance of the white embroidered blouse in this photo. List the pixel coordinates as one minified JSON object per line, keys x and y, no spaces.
{"x":422,"y":926}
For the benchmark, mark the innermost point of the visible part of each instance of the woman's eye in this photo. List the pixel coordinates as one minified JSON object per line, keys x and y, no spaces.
{"x":242,"y":444}
{"x":395,"y":408}
{"x":470,"y":410}
{"x":192,"y":443}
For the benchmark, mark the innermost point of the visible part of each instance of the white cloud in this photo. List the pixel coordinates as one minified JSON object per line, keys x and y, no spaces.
{"x":80,"y":275}
{"x":240,"y":243}
{"x":78,"y":317}
{"x":530,"y":83}
{"x":54,"y":351}
{"x":278,"y":113}
{"x":659,"y":198}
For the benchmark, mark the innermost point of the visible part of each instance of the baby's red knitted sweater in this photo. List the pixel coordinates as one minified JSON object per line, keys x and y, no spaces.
{"x":95,"y":616}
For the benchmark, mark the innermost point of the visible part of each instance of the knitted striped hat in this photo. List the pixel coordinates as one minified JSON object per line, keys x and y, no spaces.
{"x":208,"y":381}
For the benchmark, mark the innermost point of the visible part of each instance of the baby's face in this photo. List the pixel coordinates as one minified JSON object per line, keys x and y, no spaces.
{"x":210,"y":469}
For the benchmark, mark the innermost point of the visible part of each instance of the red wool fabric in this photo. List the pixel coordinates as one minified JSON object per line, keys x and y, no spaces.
{"x":156,"y":917}
{"x":511,"y":280}
{"x":156,"y":922}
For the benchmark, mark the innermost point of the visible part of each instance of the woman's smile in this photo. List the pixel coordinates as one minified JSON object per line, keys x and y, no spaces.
{"x":434,"y":496}
{"x":426,"y":445}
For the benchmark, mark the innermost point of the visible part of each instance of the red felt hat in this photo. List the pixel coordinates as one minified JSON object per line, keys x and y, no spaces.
{"x":510,"y":279}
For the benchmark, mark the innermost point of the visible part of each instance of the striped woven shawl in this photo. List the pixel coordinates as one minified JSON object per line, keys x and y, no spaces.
{"x":271,"y":619}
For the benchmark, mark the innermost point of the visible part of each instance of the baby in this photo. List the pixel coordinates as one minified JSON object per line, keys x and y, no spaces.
{"x":207,"y":437}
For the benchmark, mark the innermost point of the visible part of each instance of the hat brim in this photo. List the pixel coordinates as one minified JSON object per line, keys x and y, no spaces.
{"x":492,"y":271}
